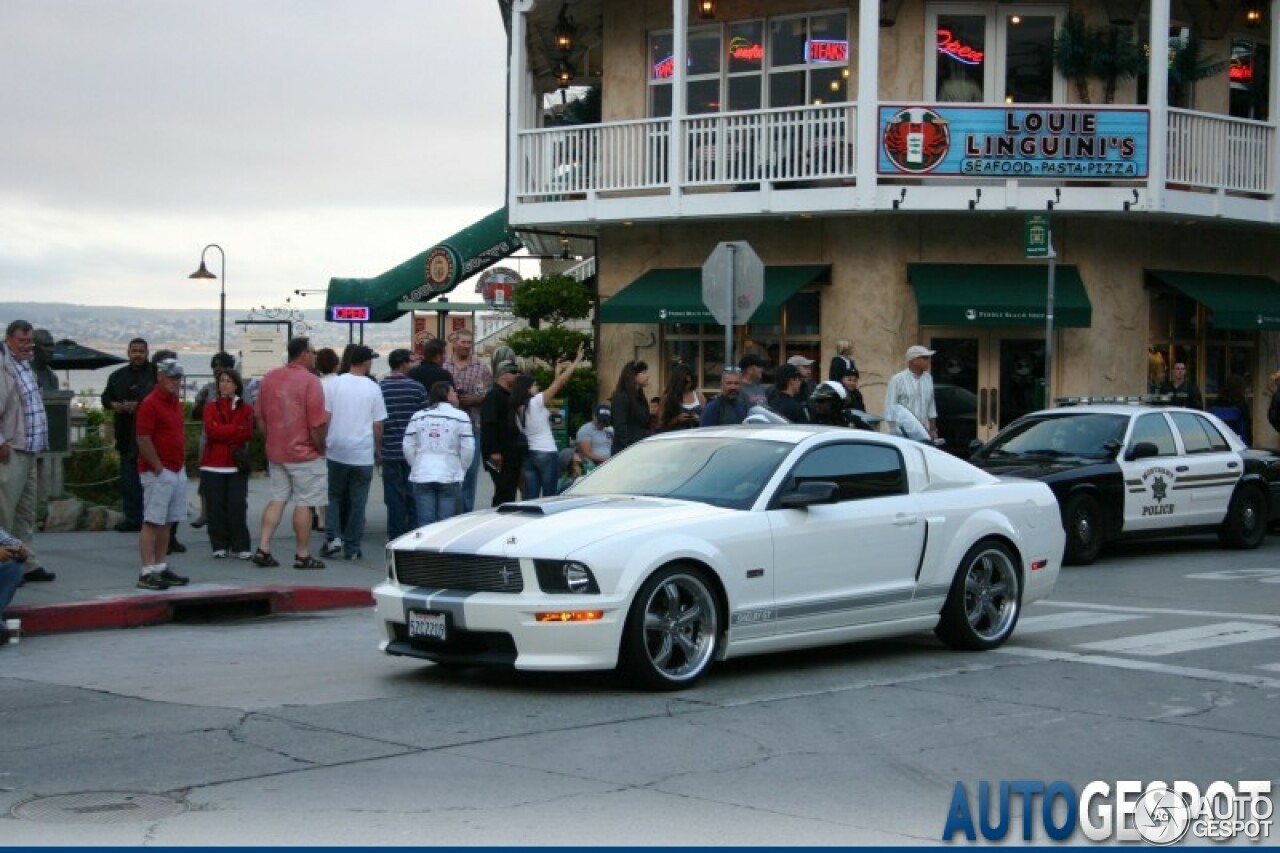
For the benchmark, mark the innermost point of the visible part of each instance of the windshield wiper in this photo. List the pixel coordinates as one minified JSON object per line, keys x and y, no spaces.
{"x":1047,"y":452}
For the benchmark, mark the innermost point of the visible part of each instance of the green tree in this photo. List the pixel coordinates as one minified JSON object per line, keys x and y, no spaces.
{"x":1117,"y":57}
{"x":1073,"y":49}
{"x":554,"y":300}
{"x":1187,"y":66}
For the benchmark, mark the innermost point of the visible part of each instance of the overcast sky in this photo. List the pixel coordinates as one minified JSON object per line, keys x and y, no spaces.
{"x":309,"y":138}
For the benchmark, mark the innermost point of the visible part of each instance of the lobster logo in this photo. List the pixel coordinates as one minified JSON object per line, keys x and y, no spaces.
{"x":916,"y":140}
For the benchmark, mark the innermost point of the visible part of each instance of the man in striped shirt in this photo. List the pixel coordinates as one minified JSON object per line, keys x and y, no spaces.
{"x":402,"y":396}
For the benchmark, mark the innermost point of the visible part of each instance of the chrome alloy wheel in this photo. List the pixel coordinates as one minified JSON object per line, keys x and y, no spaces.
{"x":991,"y":594}
{"x":680,"y":627}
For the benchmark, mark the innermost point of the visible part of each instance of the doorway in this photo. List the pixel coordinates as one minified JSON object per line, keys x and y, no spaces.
{"x":984,"y":379}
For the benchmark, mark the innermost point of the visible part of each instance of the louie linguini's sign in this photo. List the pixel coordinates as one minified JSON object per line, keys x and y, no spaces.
{"x":1061,"y":144}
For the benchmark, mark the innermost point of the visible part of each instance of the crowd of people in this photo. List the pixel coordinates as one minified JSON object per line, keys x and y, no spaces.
{"x":430,"y":424}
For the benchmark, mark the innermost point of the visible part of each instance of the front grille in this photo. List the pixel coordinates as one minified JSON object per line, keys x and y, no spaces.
{"x":470,"y":572}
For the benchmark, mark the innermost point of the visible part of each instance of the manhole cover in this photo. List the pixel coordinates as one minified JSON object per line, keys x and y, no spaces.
{"x":99,"y":807}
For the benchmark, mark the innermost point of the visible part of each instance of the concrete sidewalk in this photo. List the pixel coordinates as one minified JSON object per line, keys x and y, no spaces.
{"x":97,"y":571}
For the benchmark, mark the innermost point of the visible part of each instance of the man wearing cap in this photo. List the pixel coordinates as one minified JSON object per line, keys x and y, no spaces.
{"x":595,"y":437}
{"x":499,"y":435}
{"x":805,"y":366}
{"x":353,"y":446}
{"x":402,"y":397}
{"x":751,"y":391}
{"x":912,"y":389}
{"x":162,"y":450}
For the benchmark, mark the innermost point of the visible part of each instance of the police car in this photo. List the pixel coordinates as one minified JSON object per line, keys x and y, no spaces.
{"x":1133,"y":467}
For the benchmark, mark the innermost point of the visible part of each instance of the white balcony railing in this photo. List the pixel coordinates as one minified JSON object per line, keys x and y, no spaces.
{"x":804,"y":146}
{"x":1221,"y":153}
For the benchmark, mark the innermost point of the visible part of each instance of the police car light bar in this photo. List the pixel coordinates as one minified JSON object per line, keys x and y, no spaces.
{"x":1130,"y":399}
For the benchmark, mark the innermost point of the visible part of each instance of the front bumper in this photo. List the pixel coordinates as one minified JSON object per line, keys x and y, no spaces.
{"x":498,"y":629}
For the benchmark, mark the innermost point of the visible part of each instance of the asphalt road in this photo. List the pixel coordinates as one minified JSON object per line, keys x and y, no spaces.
{"x":1160,"y":662}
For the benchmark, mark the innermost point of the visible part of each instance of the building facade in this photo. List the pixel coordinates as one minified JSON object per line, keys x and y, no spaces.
{"x":894,"y":165}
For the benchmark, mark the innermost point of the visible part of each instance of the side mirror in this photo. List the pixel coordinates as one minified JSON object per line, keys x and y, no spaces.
{"x":1142,"y":450}
{"x":975,"y":445}
{"x":809,"y":494}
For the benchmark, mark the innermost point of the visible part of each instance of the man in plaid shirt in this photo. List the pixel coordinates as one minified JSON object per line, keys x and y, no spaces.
{"x":24,"y":432}
{"x":472,"y":380}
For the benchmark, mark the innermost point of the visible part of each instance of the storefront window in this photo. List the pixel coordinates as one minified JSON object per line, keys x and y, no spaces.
{"x":701,"y":347}
{"x":1028,"y":70}
{"x":1181,"y":330}
{"x":1250,"y":77}
{"x":984,"y":53}
{"x":804,"y":58}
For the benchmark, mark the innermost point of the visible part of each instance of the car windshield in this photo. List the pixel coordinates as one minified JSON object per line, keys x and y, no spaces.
{"x":719,"y":471}
{"x":1082,"y":436}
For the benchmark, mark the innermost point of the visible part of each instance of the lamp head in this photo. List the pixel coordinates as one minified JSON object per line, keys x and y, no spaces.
{"x":203,"y":272}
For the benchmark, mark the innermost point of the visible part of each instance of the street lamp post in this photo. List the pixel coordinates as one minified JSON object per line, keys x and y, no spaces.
{"x":203,"y":272}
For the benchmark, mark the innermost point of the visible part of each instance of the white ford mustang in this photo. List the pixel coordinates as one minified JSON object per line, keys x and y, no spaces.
{"x":704,"y":544}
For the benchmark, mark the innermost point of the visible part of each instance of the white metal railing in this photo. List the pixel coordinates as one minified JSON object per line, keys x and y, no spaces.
{"x":1221,"y":153}
{"x":619,"y":156}
{"x":799,"y":144}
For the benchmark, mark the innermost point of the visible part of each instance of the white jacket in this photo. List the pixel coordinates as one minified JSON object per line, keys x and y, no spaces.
{"x":439,"y":445}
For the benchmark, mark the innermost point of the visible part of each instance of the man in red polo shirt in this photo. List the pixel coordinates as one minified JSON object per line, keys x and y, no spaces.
{"x":162,"y":450}
{"x":290,"y":410}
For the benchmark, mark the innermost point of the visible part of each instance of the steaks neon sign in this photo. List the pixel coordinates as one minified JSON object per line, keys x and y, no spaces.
{"x":826,"y":50}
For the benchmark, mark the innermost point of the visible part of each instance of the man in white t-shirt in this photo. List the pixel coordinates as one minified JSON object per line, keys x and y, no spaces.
{"x":353,"y":446}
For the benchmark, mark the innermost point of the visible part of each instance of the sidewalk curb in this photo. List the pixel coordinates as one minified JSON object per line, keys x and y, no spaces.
{"x":161,"y":608}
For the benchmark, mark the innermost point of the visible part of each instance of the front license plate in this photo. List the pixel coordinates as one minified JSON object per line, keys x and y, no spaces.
{"x":428,"y":625}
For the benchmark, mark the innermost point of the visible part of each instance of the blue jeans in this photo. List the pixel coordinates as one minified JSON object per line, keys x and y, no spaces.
{"x":435,"y":501}
{"x":541,"y":473}
{"x":10,"y":577}
{"x":397,"y":494}
{"x":348,"y":495}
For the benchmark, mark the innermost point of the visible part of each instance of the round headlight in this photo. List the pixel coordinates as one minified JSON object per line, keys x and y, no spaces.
{"x":577,"y":577}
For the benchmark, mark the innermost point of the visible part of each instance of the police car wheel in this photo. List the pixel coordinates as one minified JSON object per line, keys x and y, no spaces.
{"x":1082,"y":521}
{"x":1246,"y":524}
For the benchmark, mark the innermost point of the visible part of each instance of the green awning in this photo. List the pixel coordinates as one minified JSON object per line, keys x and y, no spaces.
{"x":434,"y":272}
{"x":998,"y":295}
{"x":675,"y":295}
{"x":1237,"y":301}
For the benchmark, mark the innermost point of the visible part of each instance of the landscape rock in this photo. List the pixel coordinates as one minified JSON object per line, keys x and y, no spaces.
{"x":64,"y":515}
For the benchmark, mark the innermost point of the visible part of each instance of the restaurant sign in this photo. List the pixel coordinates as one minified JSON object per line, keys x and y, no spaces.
{"x":1063,"y":144}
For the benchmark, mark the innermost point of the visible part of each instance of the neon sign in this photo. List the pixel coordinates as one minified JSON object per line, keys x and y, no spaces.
{"x":826,"y":50}
{"x":349,"y":313}
{"x":664,"y":68}
{"x":1240,"y":72}
{"x":951,"y":46}
{"x":745,"y":50}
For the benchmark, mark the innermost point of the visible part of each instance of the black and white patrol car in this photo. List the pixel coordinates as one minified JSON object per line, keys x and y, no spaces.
{"x":1131,"y":469}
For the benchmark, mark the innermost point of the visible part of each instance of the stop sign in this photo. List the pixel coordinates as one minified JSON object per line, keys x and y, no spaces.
{"x":733,"y":283}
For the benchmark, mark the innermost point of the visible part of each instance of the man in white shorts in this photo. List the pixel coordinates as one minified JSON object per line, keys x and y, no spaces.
{"x":290,"y":411}
{"x":162,"y":450}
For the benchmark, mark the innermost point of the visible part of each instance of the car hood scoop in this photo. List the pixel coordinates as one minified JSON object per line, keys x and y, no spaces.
{"x":553,"y":506}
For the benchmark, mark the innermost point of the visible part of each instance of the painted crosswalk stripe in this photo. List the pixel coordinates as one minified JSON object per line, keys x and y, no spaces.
{"x":1070,"y":619}
{"x":1187,"y":639}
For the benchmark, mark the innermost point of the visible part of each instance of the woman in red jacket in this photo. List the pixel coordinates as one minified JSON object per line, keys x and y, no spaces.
{"x":228,"y":425}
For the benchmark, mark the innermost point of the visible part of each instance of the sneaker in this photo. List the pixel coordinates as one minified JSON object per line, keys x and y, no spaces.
{"x":176,"y":547}
{"x":221,"y":554}
{"x":263,"y":559}
{"x":331,"y":548}
{"x":244,"y":555}
{"x":173,"y":578}
{"x":152,"y":580}
{"x":40,"y":575}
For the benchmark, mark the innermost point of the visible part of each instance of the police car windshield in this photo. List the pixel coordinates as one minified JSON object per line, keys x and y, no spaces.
{"x":1083,"y":435}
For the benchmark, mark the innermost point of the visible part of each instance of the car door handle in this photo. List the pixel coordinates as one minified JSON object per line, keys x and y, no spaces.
{"x":1233,"y":464}
{"x":1181,"y":468}
{"x":904,"y":520}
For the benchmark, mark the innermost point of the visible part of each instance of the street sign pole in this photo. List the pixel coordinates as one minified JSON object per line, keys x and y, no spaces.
{"x":1048,"y":327}
{"x":730,"y":293}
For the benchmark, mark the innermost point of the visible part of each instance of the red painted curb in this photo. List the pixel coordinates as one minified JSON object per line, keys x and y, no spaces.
{"x":158,"y":609}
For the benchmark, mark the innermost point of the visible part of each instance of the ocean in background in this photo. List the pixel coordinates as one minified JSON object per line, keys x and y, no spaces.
{"x":88,"y":384}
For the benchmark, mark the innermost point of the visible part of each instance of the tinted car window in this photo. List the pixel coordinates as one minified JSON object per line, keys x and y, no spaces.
{"x":1198,"y":435}
{"x":860,"y":470}
{"x":1155,"y":429}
